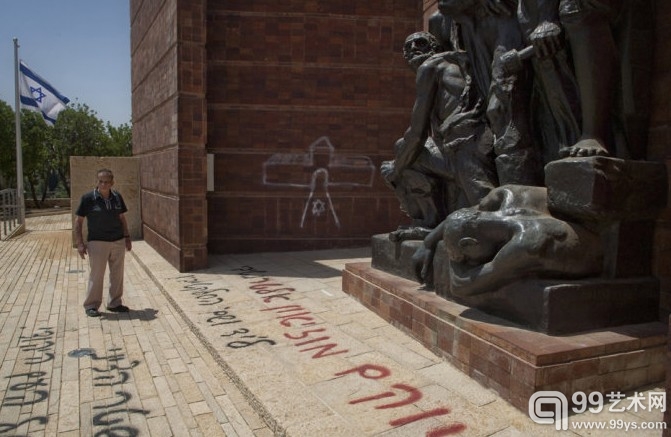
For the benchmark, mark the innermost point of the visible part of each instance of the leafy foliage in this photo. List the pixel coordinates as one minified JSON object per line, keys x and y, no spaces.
{"x":34,"y":135}
{"x":7,"y":145}
{"x":47,"y":150}
{"x":121,"y":140}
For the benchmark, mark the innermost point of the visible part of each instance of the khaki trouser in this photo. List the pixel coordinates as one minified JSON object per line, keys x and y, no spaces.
{"x":100,"y":254}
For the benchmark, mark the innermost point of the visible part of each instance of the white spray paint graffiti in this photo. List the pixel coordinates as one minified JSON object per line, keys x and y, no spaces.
{"x":317,"y":170}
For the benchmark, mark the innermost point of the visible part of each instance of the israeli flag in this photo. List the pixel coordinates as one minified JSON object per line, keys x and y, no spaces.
{"x":38,"y":95}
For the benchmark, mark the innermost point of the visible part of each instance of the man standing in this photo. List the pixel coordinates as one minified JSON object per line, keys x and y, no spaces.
{"x":107,"y":241}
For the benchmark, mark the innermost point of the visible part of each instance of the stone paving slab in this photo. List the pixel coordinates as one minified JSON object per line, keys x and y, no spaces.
{"x":63,"y":373}
{"x":257,"y":345}
{"x":319,"y":363}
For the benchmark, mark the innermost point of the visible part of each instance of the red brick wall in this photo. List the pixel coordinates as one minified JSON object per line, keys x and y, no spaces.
{"x":429,"y":7}
{"x":659,"y":149}
{"x":659,"y":144}
{"x":246,"y":80}
{"x":169,"y":126}
{"x":282,"y":75}
{"x":251,"y":79}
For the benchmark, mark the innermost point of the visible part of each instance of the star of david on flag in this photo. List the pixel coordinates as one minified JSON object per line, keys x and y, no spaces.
{"x":38,"y":95}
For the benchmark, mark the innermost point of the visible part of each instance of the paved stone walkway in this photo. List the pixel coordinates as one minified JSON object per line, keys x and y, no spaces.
{"x":255,"y":345}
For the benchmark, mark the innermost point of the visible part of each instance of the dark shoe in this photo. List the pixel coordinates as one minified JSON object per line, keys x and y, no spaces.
{"x":119,"y":309}
{"x":92,"y":312}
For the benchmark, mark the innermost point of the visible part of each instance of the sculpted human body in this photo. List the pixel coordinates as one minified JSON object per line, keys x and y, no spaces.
{"x":489,"y":29}
{"x":442,"y":161}
{"x":512,"y":236}
{"x":555,"y":98}
{"x":595,"y":60}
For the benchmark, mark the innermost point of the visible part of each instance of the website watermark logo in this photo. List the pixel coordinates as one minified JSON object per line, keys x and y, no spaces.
{"x":549,"y":407}
{"x":552,"y":408}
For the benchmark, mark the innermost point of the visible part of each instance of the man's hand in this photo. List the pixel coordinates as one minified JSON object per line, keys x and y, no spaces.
{"x":546,"y":39}
{"x":81,"y":249}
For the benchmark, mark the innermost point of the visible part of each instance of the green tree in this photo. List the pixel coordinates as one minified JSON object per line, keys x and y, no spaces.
{"x":34,"y":141}
{"x":120,"y":140}
{"x":7,"y":146}
{"x":47,"y":150}
{"x":77,"y":132}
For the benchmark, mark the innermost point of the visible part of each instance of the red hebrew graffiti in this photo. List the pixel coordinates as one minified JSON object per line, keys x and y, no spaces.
{"x":296,"y":316}
{"x":363,"y":371}
{"x":413,"y":394}
{"x":293,"y":316}
{"x":453,"y":429}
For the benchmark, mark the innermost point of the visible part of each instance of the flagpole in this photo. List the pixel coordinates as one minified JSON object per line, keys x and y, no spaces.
{"x":19,"y":151}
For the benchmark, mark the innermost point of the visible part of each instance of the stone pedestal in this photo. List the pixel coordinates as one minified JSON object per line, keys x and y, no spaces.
{"x":394,"y":257}
{"x":512,"y":360}
{"x":566,"y":307}
{"x":549,"y":306}
{"x":596,"y":334}
{"x":604,"y":189}
{"x":619,"y":197}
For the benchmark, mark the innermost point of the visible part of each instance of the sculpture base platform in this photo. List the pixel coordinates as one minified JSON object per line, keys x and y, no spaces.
{"x":512,"y":360}
{"x":394,"y":257}
{"x":551,"y":306}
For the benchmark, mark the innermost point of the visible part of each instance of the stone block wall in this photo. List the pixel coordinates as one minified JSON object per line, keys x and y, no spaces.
{"x":288,"y":78}
{"x":83,"y":178}
{"x":256,"y":85}
{"x":667,"y":413}
{"x":659,"y":144}
{"x":659,"y":149}
{"x":169,"y":126}
{"x":259,"y":85}
{"x":429,"y":7}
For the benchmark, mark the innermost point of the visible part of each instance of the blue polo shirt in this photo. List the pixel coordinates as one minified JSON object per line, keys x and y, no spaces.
{"x":102,"y":215}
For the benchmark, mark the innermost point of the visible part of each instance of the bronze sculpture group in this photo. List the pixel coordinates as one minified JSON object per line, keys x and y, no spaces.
{"x":513,"y":98}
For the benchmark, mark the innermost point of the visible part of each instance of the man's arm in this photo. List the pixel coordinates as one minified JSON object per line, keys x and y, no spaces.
{"x":416,"y":135}
{"x":126,"y":233}
{"x":546,"y":36}
{"x":79,"y":238}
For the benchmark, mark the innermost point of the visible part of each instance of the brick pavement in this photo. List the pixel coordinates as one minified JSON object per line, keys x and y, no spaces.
{"x":65,"y":374}
{"x":254,"y":345}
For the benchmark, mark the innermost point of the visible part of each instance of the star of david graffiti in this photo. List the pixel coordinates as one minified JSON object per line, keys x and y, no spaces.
{"x":318,"y":207}
{"x":37,"y":93}
{"x":317,"y":170}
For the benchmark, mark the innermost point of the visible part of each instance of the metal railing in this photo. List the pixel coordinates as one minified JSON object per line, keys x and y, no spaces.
{"x":10,"y":213}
